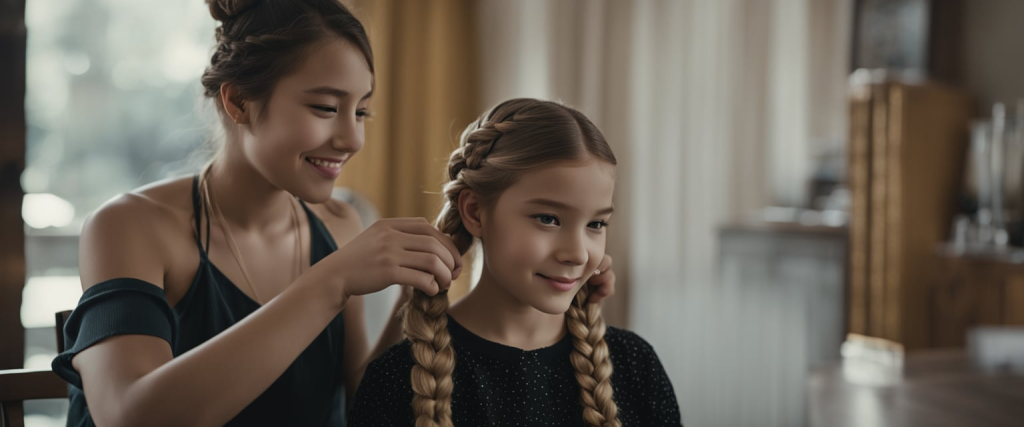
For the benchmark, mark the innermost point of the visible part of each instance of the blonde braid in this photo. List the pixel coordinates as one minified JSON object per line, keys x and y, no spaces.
{"x":476,"y":143}
{"x":426,"y":320}
{"x":590,"y":359}
{"x":426,"y":326}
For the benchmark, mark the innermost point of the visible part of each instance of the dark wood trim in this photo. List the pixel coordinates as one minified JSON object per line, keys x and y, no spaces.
{"x":946,"y":41}
{"x":31,"y":384}
{"x":12,"y":163}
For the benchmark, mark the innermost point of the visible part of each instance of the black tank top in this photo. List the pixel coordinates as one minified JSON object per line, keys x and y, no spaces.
{"x":308,"y":393}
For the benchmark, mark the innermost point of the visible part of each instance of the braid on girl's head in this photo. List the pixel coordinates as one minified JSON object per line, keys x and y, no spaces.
{"x":591,"y":361}
{"x":426,"y":317}
{"x":426,"y":326}
{"x":477,"y":143}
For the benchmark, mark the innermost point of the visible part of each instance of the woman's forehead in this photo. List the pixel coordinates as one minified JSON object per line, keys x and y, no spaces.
{"x":335,"y":63}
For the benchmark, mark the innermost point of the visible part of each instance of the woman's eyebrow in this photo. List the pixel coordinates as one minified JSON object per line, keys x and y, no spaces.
{"x":333,"y":91}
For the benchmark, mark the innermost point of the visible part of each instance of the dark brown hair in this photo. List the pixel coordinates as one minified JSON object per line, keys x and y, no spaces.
{"x":260,"y":41}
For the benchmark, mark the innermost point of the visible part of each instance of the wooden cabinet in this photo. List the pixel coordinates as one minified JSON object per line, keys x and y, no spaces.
{"x":907,"y":145}
{"x":974,"y":288}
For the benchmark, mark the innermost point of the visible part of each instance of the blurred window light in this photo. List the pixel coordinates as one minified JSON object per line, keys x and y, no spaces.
{"x":76,"y":63}
{"x":46,"y":210}
{"x":45,"y":296}
{"x":112,"y":89}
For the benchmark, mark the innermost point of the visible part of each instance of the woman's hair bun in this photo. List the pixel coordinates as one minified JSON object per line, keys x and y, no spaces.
{"x":223,"y":10}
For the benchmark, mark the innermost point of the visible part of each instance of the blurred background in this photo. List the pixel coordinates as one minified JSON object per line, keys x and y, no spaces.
{"x":819,"y":213}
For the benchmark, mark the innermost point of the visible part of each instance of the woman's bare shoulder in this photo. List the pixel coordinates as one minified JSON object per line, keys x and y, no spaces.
{"x":137,"y":234}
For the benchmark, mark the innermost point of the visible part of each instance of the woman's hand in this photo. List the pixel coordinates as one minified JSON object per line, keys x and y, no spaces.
{"x":404,"y":251}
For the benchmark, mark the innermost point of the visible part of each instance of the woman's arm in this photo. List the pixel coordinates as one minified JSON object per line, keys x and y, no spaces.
{"x":134,"y":379}
{"x":356,"y":345}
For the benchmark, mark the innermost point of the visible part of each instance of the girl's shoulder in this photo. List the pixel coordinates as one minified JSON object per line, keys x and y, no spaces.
{"x":629,"y":350}
{"x":389,"y":371}
{"x":643,"y":390}
{"x":398,"y":355}
{"x":385,"y":390}
{"x":625,"y":339}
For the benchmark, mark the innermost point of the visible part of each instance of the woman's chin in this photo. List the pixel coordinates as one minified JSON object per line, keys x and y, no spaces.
{"x":314,"y":194}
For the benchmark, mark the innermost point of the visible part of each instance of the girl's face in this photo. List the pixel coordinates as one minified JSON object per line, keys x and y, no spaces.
{"x":313,"y":122}
{"x":545,"y":235}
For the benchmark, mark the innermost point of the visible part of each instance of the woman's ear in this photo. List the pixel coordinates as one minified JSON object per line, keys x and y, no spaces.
{"x":470,"y":211}
{"x":233,"y":104}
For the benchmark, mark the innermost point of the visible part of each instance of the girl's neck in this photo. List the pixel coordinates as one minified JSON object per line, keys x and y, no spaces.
{"x":496,"y":315}
{"x":247,"y":200}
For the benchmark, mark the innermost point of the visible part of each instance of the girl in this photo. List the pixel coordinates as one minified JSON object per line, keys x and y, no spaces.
{"x":202,"y":303}
{"x":533,"y":181}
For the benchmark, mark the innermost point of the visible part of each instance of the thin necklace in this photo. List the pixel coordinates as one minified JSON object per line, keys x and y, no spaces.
{"x":237,"y":254}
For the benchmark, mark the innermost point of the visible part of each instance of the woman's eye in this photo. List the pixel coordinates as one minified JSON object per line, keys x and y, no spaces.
{"x":546,"y":219}
{"x":597,"y":225}
{"x":362,"y":113}
{"x":325,"y":108}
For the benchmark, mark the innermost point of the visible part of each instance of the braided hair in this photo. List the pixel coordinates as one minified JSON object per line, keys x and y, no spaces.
{"x":515,"y":136}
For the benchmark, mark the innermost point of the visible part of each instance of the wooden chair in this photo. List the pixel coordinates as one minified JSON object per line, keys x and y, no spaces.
{"x":19,"y":385}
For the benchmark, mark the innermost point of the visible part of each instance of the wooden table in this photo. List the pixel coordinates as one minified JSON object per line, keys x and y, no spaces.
{"x":938,"y":388}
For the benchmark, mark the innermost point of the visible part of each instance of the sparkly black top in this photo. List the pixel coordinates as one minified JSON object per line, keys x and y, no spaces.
{"x":498,"y":385}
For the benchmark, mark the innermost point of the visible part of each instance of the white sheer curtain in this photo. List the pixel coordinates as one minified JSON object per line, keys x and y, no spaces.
{"x":714,"y":108}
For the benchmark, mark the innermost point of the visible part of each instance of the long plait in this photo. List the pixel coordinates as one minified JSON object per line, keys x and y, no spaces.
{"x":426,"y":317}
{"x":426,"y":326}
{"x":591,"y":361}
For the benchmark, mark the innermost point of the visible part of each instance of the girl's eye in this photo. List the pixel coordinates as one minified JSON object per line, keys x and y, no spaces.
{"x":546,"y":219}
{"x":597,"y":225}
{"x":325,"y":108}
{"x":362,"y":113}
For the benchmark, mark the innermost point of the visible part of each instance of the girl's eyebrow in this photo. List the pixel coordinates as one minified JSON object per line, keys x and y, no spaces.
{"x":559,"y":205}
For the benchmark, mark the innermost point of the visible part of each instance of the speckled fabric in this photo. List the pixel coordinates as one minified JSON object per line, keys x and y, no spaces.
{"x":497,"y":385}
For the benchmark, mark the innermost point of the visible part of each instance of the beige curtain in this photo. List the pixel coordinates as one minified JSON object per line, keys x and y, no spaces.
{"x":426,"y":93}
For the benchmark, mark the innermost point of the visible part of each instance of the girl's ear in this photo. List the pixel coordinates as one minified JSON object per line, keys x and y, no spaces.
{"x":470,"y":211}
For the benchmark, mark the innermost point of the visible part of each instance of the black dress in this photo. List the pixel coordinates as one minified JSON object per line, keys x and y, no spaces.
{"x":497,"y":385}
{"x":308,"y":393}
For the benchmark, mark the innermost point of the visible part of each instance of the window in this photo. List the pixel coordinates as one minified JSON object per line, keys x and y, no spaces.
{"x":112,"y":95}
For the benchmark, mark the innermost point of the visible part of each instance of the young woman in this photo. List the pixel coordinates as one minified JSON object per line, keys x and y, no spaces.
{"x":202,"y":303}
{"x":533,"y":182}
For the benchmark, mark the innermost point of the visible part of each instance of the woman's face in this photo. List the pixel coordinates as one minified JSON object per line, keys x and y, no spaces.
{"x":545,"y":235}
{"x":313,"y":121}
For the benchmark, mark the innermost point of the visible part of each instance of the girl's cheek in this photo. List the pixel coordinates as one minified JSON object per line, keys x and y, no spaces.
{"x":523,"y":245}
{"x":596,"y":254}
